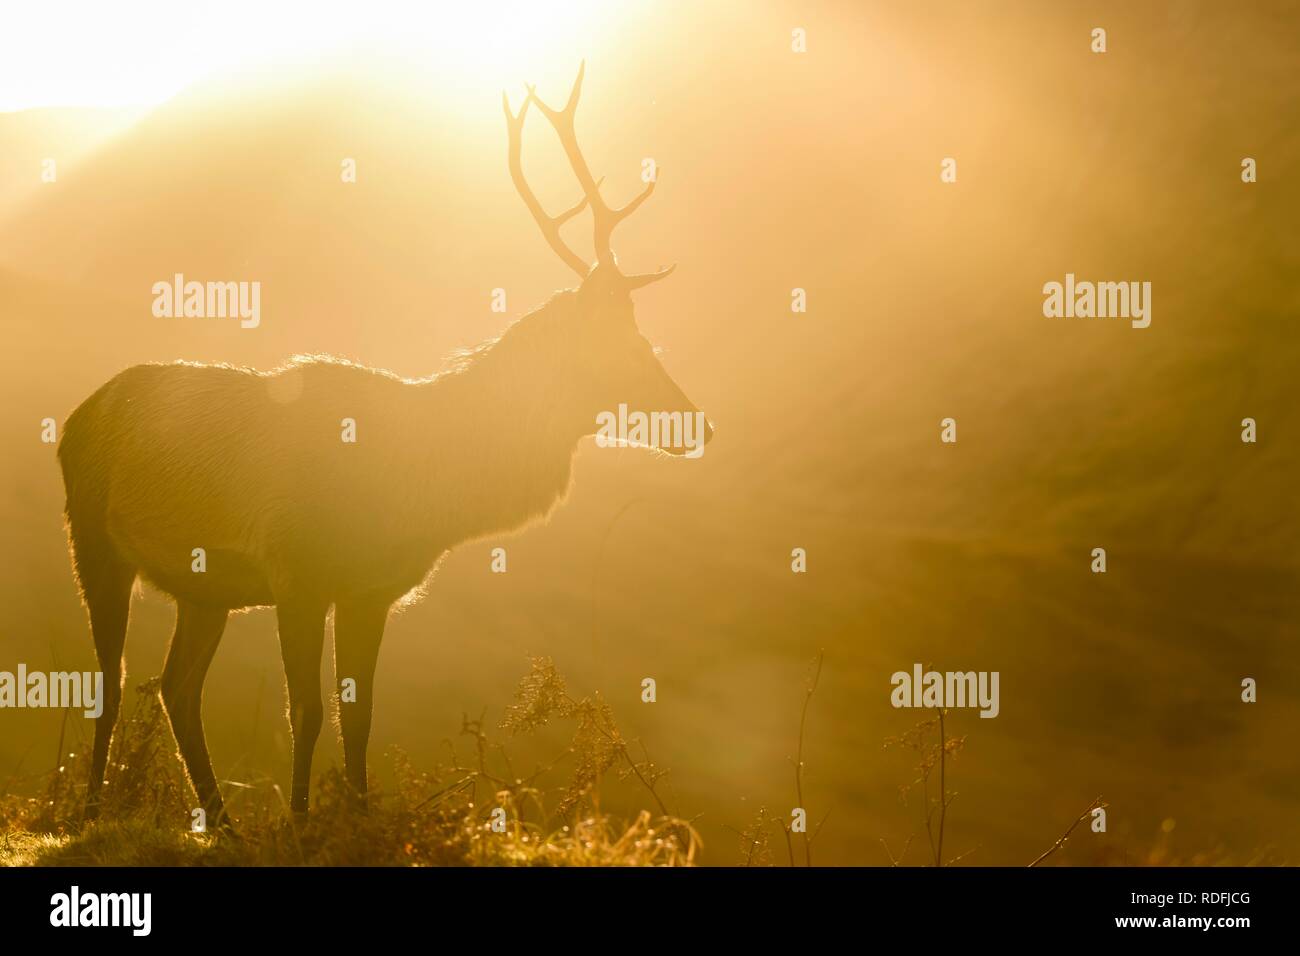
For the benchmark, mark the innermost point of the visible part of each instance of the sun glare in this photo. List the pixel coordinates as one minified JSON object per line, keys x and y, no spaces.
{"x":142,"y":52}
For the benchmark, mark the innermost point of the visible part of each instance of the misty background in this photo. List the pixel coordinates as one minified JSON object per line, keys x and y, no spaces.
{"x":777,"y":170}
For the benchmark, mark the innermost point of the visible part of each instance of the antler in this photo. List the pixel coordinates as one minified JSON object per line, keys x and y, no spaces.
{"x":549,"y":225}
{"x":605,"y":218}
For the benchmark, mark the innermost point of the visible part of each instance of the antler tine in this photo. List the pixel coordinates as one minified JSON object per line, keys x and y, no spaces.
{"x":549,"y":225}
{"x":605,"y":218}
{"x":562,"y":120}
{"x":637,"y":281}
{"x":618,"y":215}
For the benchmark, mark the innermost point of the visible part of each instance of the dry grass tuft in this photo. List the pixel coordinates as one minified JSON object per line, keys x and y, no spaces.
{"x":443,"y":816}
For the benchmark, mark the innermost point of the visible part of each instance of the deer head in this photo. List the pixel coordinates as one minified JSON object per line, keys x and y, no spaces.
{"x":612,"y":364}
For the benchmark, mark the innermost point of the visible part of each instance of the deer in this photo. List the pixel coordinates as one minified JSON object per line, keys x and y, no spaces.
{"x":167,"y":462}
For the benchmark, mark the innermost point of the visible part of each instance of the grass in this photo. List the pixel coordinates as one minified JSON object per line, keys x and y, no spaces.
{"x":756,"y":839}
{"x":472,"y":810}
{"x":449,"y":815}
{"x":935,"y":748}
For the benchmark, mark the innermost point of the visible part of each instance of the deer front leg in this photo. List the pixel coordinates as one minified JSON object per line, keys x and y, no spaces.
{"x":358,"y":629}
{"x":302,"y":637}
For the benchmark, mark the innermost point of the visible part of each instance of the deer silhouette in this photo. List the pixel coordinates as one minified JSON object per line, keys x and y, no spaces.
{"x":229,"y":488}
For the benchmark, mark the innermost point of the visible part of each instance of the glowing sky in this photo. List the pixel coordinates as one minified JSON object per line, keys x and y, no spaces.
{"x":141,"y":52}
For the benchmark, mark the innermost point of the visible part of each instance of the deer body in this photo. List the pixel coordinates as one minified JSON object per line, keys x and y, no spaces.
{"x":252,"y":468}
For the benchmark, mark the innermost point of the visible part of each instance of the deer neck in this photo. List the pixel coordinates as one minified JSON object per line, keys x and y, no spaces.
{"x":514,"y":415}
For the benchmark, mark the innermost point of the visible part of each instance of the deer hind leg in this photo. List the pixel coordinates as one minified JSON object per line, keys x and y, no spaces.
{"x":106,"y":582}
{"x":198,"y":632}
{"x":302,"y":638}
{"x":358,"y":629}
